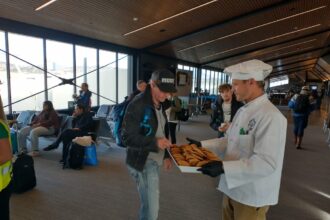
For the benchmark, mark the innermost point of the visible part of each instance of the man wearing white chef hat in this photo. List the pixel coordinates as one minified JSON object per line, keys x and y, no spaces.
{"x":253,"y":151}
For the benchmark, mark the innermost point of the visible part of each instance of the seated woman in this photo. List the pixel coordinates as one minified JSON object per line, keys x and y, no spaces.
{"x":81,"y":124}
{"x":46,"y":123}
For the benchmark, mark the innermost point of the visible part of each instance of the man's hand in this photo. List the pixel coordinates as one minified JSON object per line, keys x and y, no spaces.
{"x":213,"y":168}
{"x":168,"y":164}
{"x":163,"y":143}
{"x":192,"y":141}
{"x":223,"y":127}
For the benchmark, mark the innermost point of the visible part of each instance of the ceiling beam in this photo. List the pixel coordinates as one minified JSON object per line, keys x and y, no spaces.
{"x":289,"y":72}
{"x":297,"y":76}
{"x":297,"y":61}
{"x":294,"y":68}
{"x":266,"y":47}
{"x":317,"y":64}
{"x":220,"y":24}
{"x":315,"y":68}
{"x":297,"y":54}
{"x":316,"y":74}
{"x":321,"y":76}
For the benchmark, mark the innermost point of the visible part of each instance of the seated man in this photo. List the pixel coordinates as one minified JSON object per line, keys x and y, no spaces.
{"x":81,"y":125}
{"x":46,"y":123}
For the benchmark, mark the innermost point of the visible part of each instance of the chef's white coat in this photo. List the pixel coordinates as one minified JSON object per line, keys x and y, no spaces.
{"x":252,"y":161}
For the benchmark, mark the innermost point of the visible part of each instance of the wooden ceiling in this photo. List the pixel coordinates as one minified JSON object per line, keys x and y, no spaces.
{"x":289,"y":35}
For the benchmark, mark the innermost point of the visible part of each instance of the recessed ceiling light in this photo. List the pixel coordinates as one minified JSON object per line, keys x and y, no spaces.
{"x":135,"y":19}
{"x":168,"y":18}
{"x":45,"y":5}
{"x":253,"y":28}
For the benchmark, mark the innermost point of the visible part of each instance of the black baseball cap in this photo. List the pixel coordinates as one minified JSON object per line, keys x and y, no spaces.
{"x":165,"y":80}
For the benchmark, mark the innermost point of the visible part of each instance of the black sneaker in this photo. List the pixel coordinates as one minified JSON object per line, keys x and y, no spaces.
{"x":50,"y":147}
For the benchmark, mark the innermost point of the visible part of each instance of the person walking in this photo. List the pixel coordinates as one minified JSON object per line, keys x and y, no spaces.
{"x":301,"y":105}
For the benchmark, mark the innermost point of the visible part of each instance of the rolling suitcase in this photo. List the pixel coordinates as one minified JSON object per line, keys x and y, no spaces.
{"x":24,"y":177}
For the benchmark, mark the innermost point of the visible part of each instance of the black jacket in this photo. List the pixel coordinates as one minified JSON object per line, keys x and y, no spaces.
{"x":218,"y":116}
{"x":84,"y":122}
{"x":135,"y":136}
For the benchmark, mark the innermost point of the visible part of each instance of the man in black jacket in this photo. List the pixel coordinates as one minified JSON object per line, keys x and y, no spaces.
{"x":143,"y":134}
{"x":81,"y":124}
{"x":224,"y":109}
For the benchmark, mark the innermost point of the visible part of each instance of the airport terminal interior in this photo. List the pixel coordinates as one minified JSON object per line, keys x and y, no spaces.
{"x":48,"y":49}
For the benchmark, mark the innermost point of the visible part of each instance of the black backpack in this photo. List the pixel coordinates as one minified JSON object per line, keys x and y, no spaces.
{"x":183,"y":115}
{"x":74,"y":156}
{"x":301,"y":104}
{"x":24,"y":177}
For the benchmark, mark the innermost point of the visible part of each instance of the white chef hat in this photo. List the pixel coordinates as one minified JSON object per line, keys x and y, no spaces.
{"x":252,"y":69}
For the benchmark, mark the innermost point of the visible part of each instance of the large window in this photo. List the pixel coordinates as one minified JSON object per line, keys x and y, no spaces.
{"x":107,"y":77}
{"x":3,"y":72}
{"x":59,"y":64}
{"x":26,"y":80}
{"x":122,"y":76}
{"x":278,"y":81}
{"x":86,"y":69}
{"x":32,"y":80}
{"x":194,"y":75}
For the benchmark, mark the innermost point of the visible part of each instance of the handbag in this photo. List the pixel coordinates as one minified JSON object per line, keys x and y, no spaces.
{"x":83,"y":141}
{"x":90,"y":155}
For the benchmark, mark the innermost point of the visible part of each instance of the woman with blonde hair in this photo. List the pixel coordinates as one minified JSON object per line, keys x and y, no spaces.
{"x":5,"y":165}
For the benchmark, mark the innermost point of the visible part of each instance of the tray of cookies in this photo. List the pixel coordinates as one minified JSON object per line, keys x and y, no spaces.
{"x":188,"y":158}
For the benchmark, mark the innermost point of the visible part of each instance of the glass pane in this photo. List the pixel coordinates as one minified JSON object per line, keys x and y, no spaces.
{"x":211,"y":82}
{"x":60,"y":64}
{"x":3,"y":73}
{"x":86,"y":63}
{"x":26,"y":80}
{"x":208,"y":81}
{"x":180,"y":67}
{"x":203,"y":79}
{"x":107,"y":77}
{"x":122,"y":76}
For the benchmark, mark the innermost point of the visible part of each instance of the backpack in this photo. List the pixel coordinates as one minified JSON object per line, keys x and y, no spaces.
{"x":117,"y":115}
{"x":301,"y":104}
{"x":183,"y":115}
{"x":24,"y":177}
{"x":73,"y":156}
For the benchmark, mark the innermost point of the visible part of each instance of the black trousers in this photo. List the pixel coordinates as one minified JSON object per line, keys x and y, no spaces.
{"x":66,"y":137}
{"x":170,"y":128}
{"x":4,"y":202}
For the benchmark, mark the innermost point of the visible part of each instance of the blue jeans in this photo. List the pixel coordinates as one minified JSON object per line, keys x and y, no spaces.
{"x":300,"y":123}
{"x":148,"y":187}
